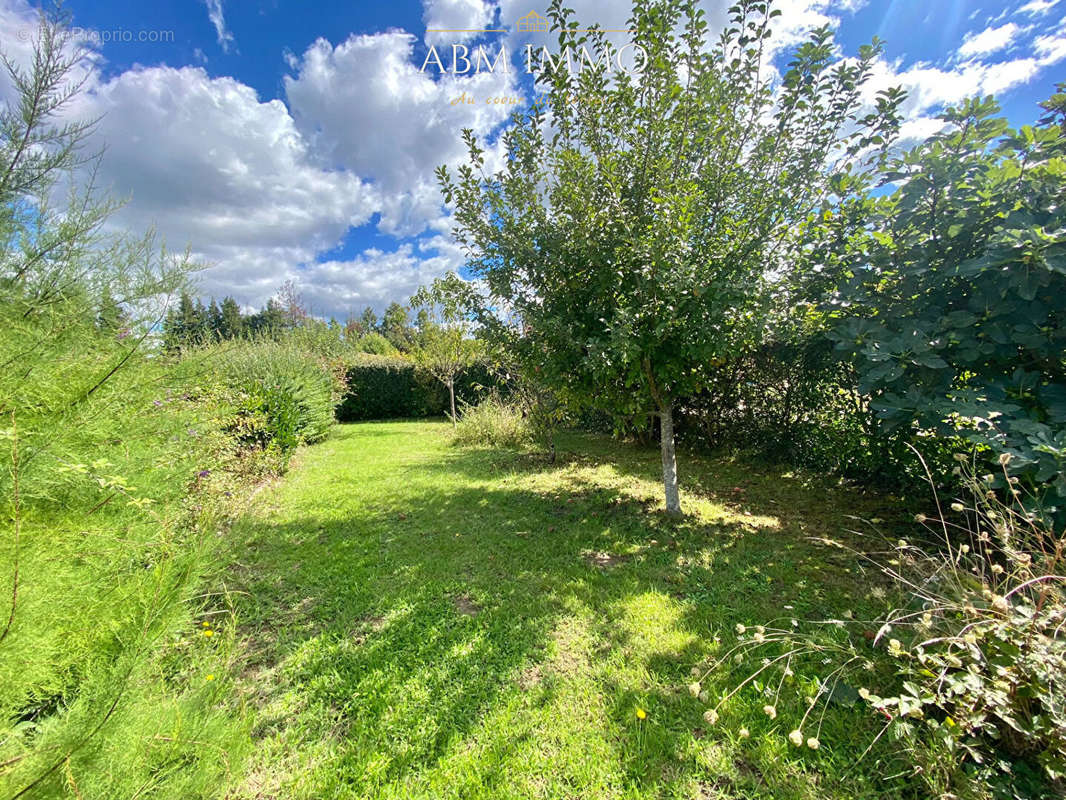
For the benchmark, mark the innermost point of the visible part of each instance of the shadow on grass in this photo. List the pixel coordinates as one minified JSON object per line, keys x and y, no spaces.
{"x":398,"y":632}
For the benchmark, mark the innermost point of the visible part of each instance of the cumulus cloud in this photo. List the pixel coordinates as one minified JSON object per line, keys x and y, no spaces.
{"x":455,"y":20}
{"x":369,"y":108}
{"x":990,"y":40}
{"x":375,"y":278}
{"x":212,"y":167}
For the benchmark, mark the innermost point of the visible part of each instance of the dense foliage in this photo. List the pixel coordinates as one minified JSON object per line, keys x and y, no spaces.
{"x":949,"y":294}
{"x":382,"y":387}
{"x":628,"y":242}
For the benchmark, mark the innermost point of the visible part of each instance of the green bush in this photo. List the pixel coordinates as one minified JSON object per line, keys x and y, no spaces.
{"x":494,"y":422}
{"x":283,"y":396}
{"x":384,"y":387}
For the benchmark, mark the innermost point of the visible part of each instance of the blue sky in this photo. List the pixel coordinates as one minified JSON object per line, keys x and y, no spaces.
{"x":287,"y":139}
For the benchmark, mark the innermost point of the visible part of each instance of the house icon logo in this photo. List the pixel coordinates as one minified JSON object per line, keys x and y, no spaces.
{"x":532,"y":23}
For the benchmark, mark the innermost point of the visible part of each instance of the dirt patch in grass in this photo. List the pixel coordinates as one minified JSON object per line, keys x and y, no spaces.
{"x":529,"y":678}
{"x":466,"y":606}
{"x":605,"y":560}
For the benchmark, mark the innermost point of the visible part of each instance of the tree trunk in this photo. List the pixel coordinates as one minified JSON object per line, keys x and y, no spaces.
{"x":666,"y":444}
{"x":451,"y":396}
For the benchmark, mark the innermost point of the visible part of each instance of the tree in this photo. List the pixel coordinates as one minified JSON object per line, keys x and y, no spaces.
{"x":639,"y":218}
{"x":396,"y":327}
{"x":231,"y":323}
{"x":368,"y":321}
{"x":445,"y":345}
{"x":292,"y":304}
{"x":948,"y":296}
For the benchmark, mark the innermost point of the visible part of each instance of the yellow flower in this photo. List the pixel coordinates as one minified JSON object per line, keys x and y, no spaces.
{"x":206,"y":624}
{"x":641,"y":713}
{"x":210,"y":677}
{"x":209,"y":632}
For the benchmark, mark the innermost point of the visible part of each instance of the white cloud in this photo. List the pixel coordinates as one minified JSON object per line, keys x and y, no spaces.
{"x":375,"y":278}
{"x":212,"y":167}
{"x":1051,"y":47}
{"x":1036,"y":8}
{"x":456,"y":20}
{"x":214,"y":13}
{"x":367,"y":107}
{"x":990,"y":40}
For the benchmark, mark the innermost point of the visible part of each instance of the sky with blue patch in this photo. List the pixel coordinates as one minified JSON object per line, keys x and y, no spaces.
{"x":293,"y":140}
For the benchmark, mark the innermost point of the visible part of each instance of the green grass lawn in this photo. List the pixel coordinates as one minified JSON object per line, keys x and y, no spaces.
{"x":422,"y":620}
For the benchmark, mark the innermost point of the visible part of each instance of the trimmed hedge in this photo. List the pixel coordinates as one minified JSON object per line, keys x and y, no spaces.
{"x":389,"y":387}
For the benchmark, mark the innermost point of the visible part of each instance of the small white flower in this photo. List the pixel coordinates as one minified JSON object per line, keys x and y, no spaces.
{"x":1004,"y":458}
{"x":759,"y":638}
{"x":770,"y":711}
{"x":813,"y":743}
{"x":743,"y":733}
{"x":694,"y":671}
{"x":704,"y":696}
{"x":958,"y":507}
{"x":864,"y":693}
{"x":997,"y":569}
{"x":919,"y":518}
{"x":796,"y":737}
{"x":710,"y":716}
{"x":962,"y":458}
{"x":694,"y":689}
{"x":740,"y":629}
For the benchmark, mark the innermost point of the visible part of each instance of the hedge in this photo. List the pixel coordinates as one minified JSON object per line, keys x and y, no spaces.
{"x":389,"y":387}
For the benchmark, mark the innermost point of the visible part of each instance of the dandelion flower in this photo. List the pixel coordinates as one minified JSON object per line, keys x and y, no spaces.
{"x":641,"y":713}
{"x":710,"y":716}
{"x":796,"y":737}
{"x":770,"y":711}
{"x":813,"y":743}
{"x":206,"y":624}
{"x":209,"y":632}
{"x":210,"y":677}
{"x":743,"y":733}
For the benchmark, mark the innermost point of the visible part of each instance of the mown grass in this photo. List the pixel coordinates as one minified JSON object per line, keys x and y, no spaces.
{"x":423,"y":620}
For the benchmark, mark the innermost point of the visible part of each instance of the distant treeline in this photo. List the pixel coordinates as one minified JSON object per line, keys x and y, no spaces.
{"x":191,"y":323}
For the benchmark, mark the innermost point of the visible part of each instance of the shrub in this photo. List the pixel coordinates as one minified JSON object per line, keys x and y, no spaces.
{"x":283,"y":397}
{"x":494,"y":422}
{"x":972,"y":653}
{"x":382,"y":387}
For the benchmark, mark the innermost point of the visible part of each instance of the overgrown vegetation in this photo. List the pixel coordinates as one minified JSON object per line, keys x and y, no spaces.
{"x":703,"y":253}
